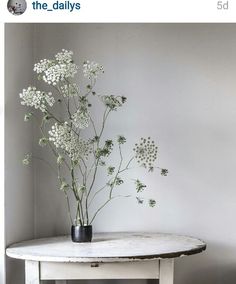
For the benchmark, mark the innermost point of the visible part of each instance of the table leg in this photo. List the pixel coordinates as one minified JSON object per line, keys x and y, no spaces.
{"x":32,"y":272}
{"x":166,"y":271}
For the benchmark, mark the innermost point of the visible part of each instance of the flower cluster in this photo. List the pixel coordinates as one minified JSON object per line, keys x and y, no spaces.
{"x":59,"y":72}
{"x":63,"y":137}
{"x":59,"y":69}
{"x":121,"y":139}
{"x":42,"y":66}
{"x":139,"y":185}
{"x":146,"y":152}
{"x":37,"y":99}
{"x":106,"y":150}
{"x":70,"y":90}
{"x":113,"y":102}
{"x":64,"y":56}
{"x":81,"y":117}
{"x":92,"y":69}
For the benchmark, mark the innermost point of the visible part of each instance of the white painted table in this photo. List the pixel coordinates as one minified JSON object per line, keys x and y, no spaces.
{"x":109,"y":256}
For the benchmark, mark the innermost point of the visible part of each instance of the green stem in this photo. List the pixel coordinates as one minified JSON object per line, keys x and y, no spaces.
{"x":91,"y":186}
{"x":118,"y":171}
{"x":50,"y":145}
{"x":66,"y":195}
{"x":98,"y":191}
{"x":92,"y":85}
{"x":93,"y":124}
{"x":100,"y":208}
{"x":68,"y":207}
{"x":127,"y":166}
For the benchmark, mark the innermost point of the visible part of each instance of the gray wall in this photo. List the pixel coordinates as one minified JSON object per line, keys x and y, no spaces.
{"x":19,"y":190}
{"x":180,"y":83}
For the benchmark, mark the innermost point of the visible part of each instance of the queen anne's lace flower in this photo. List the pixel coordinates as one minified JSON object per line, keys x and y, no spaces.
{"x":59,"y":72}
{"x":92,"y":69}
{"x":64,"y":56}
{"x":70,"y":90}
{"x":42,"y":65}
{"x":63,"y":137}
{"x":146,"y":152}
{"x":53,"y":71}
{"x":81,"y":119}
{"x":37,"y":99}
{"x":113,"y":102}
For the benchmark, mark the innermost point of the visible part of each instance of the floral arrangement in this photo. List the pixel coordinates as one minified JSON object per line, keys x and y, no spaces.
{"x":65,"y":117}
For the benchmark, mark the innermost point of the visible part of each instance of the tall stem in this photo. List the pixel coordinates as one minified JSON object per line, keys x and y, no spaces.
{"x":66,"y":195}
{"x":79,"y":213}
{"x":118,"y":171}
{"x":105,"y":115}
{"x":91,"y":186}
{"x":100,"y":208}
{"x":68,"y":207}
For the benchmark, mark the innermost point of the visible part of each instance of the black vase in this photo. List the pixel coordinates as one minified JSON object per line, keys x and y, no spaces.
{"x":81,"y":234}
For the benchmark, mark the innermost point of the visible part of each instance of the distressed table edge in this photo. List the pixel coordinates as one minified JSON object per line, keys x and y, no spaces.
{"x":106,"y":259}
{"x":10,"y":252}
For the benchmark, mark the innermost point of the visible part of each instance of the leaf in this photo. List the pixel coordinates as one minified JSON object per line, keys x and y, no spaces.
{"x":152,"y":202}
{"x":139,"y":185}
{"x":139,"y":200}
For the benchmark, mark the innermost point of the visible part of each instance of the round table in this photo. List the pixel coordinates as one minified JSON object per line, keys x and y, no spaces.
{"x":108,"y":256}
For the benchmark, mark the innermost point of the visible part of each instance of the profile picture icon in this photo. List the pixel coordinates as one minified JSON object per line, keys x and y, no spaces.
{"x":16,"y":7}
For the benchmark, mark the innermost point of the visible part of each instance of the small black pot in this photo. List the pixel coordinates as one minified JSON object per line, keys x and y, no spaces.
{"x":81,"y":234}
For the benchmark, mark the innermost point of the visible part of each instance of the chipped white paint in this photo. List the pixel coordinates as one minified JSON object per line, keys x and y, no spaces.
{"x":113,"y":247}
{"x":109,"y":256}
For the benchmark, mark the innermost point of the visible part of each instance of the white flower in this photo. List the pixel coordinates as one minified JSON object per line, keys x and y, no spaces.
{"x":63,"y":137}
{"x":37,"y":99}
{"x":113,"y":102}
{"x":59,"y":72}
{"x":42,"y":65}
{"x":70,"y":90}
{"x":53,"y":71}
{"x":27,"y":159}
{"x":92,"y":69}
{"x":64,"y":57}
{"x":81,"y":119}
